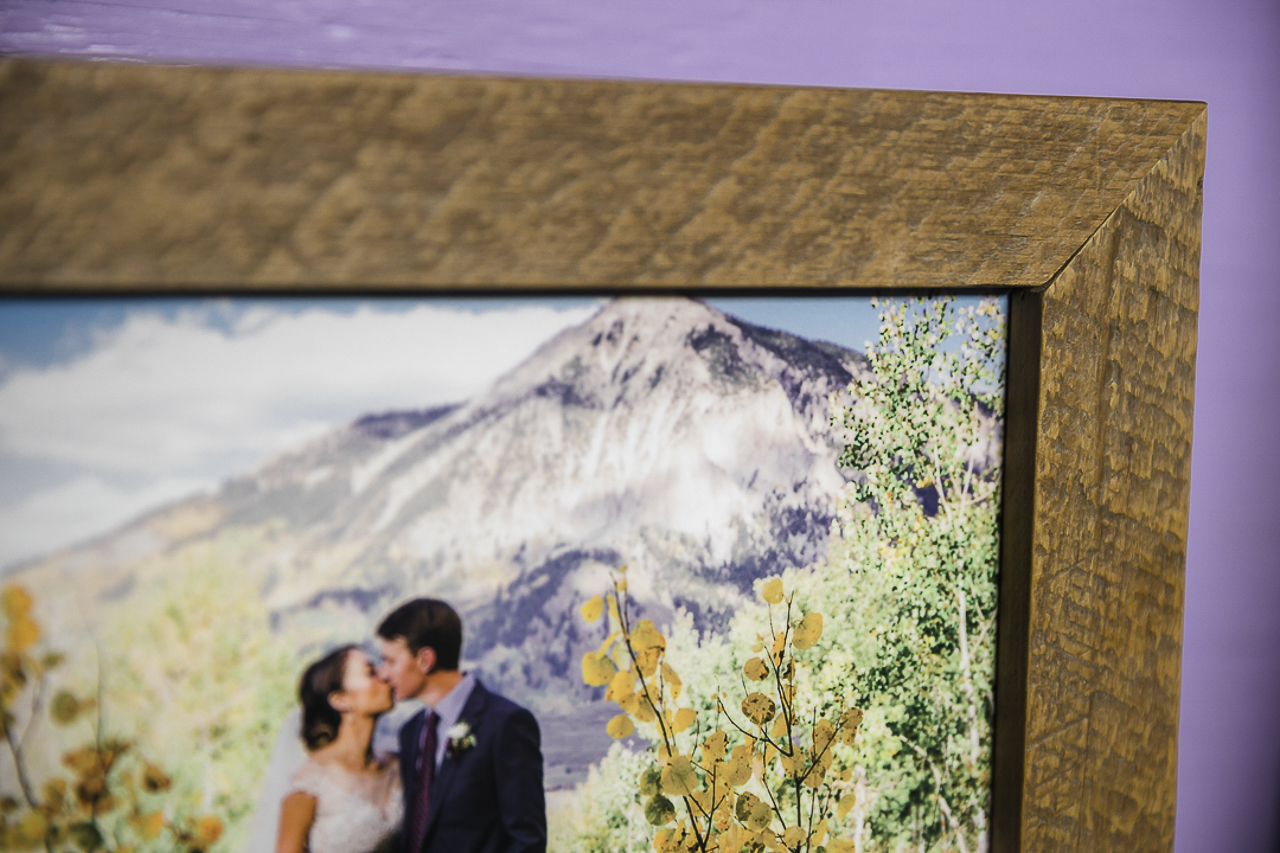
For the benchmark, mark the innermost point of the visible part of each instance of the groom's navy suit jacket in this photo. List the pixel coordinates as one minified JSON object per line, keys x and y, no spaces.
{"x":488,"y":798}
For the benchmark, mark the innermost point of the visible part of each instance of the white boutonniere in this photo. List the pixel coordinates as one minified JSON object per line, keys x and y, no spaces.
{"x":460,"y":738}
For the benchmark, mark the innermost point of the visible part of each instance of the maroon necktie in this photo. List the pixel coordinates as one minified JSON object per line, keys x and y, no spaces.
{"x":426,"y":773}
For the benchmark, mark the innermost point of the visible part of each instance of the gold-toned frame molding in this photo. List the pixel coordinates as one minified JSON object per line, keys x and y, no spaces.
{"x":143,"y":179}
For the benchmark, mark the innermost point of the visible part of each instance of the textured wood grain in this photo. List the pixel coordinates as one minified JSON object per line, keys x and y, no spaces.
{"x":1113,"y":464}
{"x":153,"y":179}
{"x":140,"y":176}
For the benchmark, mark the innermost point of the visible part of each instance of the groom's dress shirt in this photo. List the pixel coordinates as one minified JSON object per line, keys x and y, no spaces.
{"x":449,"y":709}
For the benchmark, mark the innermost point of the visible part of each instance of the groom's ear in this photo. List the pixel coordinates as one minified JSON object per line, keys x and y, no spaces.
{"x":426,"y":660}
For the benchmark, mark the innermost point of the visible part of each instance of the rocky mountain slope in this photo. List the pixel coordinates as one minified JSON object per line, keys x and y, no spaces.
{"x":661,"y":433}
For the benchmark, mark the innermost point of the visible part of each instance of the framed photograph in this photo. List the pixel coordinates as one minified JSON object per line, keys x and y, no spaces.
{"x":811,"y":463}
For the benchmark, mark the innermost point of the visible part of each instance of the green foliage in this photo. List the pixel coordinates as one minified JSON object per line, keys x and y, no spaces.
{"x":186,"y":671}
{"x":195,"y":641}
{"x":112,"y":799}
{"x":907,"y":601}
{"x":606,"y":813}
{"x":919,"y":538}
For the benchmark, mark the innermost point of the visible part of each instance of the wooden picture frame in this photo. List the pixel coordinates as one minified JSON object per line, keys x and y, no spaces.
{"x":127,"y":179}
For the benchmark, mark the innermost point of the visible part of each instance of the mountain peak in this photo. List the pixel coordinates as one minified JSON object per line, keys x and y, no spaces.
{"x":634,"y":344}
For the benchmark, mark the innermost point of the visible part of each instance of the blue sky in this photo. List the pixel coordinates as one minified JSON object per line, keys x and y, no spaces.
{"x":42,"y":332}
{"x":111,"y":407}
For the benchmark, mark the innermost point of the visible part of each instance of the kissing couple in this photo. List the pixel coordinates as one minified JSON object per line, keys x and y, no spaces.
{"x":468,"y":775}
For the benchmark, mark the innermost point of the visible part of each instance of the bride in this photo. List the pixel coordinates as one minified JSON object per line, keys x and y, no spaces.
{"x":342,"y":800}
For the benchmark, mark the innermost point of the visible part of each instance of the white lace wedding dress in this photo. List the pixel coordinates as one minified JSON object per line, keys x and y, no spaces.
{"x":355,"y":813}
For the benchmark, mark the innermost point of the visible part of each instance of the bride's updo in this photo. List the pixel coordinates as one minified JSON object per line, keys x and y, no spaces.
{"x":320,"y":720}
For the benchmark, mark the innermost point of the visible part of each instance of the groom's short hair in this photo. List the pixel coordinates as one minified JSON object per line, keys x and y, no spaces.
{"x":426,"y":623}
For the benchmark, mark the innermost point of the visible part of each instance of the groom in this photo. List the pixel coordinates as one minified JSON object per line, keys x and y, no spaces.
{"x":470,"y":761}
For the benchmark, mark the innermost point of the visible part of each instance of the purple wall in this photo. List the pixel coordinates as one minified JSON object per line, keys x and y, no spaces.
{"x":1226,"y":52}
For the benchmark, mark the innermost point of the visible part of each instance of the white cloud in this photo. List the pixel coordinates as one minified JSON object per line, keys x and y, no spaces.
{"x":80,"y":509}
{"x":170,"y":400}
{"x":163,"y":394}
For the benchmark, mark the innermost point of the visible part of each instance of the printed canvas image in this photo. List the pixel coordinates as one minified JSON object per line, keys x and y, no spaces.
{"x":724,"y":572}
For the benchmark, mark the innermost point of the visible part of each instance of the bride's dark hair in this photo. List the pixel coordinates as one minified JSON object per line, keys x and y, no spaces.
{"x":320,"y":720}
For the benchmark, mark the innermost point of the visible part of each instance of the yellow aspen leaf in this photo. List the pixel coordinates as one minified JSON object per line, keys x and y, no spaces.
{"x":678,"y":777}
{"x":793,"y":836}
{"x":672,"y":680}
{"x":612,"y":602}
{"x":64,"y":708}
{"x":720,"y":787}
{"x":29,"y":831}
{"x":85,"y":835}
{"x":650,"y":781}
{"x":647,"y":661}
{"x":23,"y":634}
{"x":645,"y":636}
{"x":842,"y":845}
{"x":593,"y":609}
{"x":847,"y":802}
{"x":779,"y":729}
{"x":622,"y":585}
{"x":824,"y":732}
{"x":759,"y":708}
{"x":816,"y":773}
{"x":154,"y":779}
{"x":597,"y":669}
{"x":659,"y":810}
{"x":755,"y":669}
{"x":849,"y":722}
{"x":752,"y":812}
{"x":55,"y":791}
{"x":644,"y":711}
{"x":739,"y":839}
{"x":771,"y":592}
{"x":15,"y":602}
{"x":779,"y":648}
{"x":208,"y":830}
{"x":846,"y":775}
{"x":792,"y":764}
{"x":714,"y":746}
{"x":819,"y":833}
{"x":620,"y":727}
{"x":608,"y":641}
{"x":808,"y":630}
{"x":82,"y":761}
{"x":738,"y":768}
{"x":148,"y":825}
{"x":622,"y":686}
{"x":685,"y":717}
